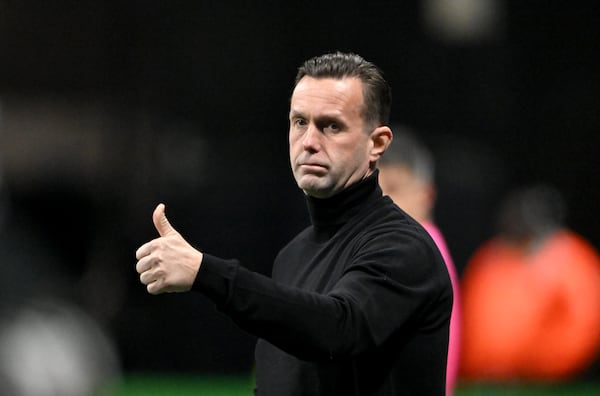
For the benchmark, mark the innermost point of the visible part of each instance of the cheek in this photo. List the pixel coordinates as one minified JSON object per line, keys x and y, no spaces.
{"x":294,"y":154}
{"x":359,"y":154}
{"x":293,"y":149}
{"x":291,"y":143}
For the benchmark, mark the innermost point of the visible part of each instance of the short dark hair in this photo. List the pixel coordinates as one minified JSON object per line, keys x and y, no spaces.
{"x":376,"y":91}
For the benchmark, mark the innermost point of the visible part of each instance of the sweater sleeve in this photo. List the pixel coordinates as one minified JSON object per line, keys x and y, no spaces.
{"x":285,"y":316}
{"x":388,"y":287}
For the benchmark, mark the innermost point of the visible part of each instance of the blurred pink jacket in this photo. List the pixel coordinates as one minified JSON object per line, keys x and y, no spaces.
{"x":455,"y":320}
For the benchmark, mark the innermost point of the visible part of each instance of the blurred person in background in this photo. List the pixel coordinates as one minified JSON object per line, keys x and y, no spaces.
{"x":531,"y":295}
{"x":406,"y":175}
{"x":49,"y":345}
{"x":359,"y":302}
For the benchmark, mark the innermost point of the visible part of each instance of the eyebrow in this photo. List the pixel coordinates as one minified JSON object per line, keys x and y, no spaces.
{"x":295,"y":113}
{"x":320,"y":117}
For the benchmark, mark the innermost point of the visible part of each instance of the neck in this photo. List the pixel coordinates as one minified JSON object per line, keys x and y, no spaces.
{"x":338,"y":208}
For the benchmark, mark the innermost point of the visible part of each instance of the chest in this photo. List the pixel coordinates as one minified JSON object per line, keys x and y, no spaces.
{"x":316,"y":263}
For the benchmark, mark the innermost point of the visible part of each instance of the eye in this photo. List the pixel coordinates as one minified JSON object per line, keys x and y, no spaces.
{"x":332,"y":128}
{"x":299,"y":122}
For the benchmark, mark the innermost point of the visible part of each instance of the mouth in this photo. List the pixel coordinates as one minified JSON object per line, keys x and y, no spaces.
{"x":312,"y":167}
{"x":311,"y":164}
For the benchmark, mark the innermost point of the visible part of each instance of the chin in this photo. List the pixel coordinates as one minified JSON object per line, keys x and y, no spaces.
{"x":318,"y":192}
{"x":314,"y":191}
{"x":315,"y":186}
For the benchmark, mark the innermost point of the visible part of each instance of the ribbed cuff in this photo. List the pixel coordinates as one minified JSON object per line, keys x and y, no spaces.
{"x":215,"y":278}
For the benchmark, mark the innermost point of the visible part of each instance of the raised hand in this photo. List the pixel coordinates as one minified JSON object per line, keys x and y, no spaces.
{"x":168,"y":263}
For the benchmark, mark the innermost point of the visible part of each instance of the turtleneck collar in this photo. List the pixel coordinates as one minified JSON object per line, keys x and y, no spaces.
{"x":336,"y":210}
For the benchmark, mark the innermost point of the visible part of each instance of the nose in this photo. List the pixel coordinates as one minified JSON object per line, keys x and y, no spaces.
{"x":311,"y":141}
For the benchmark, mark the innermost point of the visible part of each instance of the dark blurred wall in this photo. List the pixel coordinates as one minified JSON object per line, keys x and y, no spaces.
{"x":186,"y":103}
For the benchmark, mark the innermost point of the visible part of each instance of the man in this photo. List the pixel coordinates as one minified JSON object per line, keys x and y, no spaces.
{"x":531,"y":295}
{"x":359,"y":302}
{"x":407,"y":177}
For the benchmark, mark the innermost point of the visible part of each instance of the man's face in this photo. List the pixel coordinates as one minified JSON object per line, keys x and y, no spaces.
{"x":406,"y":190}
{"x":329,"y":147}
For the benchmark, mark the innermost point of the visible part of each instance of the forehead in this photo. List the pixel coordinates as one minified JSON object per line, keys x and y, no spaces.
{"x":328,"y":95}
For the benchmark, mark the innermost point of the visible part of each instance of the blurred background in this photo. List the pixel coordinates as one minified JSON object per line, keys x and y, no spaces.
{"x":108,"y":108}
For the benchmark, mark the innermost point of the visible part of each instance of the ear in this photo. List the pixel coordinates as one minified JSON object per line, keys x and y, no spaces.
{"x":381,"y":137}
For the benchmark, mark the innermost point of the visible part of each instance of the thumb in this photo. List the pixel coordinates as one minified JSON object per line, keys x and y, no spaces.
{"x":161,"y":223}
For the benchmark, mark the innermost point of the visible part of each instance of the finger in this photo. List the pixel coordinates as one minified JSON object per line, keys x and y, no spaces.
{"x":154,"y":287}
{"x":161,"y":223}
{"x":147,"y":277}
{"x":143,"y":251}
{"x":144,"y":264}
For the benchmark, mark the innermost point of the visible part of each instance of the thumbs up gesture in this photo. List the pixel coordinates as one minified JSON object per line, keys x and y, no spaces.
{"x":168,"y":263}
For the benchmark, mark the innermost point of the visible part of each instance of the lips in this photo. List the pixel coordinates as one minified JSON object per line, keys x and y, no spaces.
{"x":312,"y":167}
{"x":312,"y":164}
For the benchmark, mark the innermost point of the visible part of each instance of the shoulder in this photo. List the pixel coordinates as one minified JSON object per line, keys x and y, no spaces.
{"x":387,"y":222}
{"x":389,"y":231}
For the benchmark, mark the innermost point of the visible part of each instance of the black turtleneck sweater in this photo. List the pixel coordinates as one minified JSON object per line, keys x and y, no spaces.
{"x":358,"y":303}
